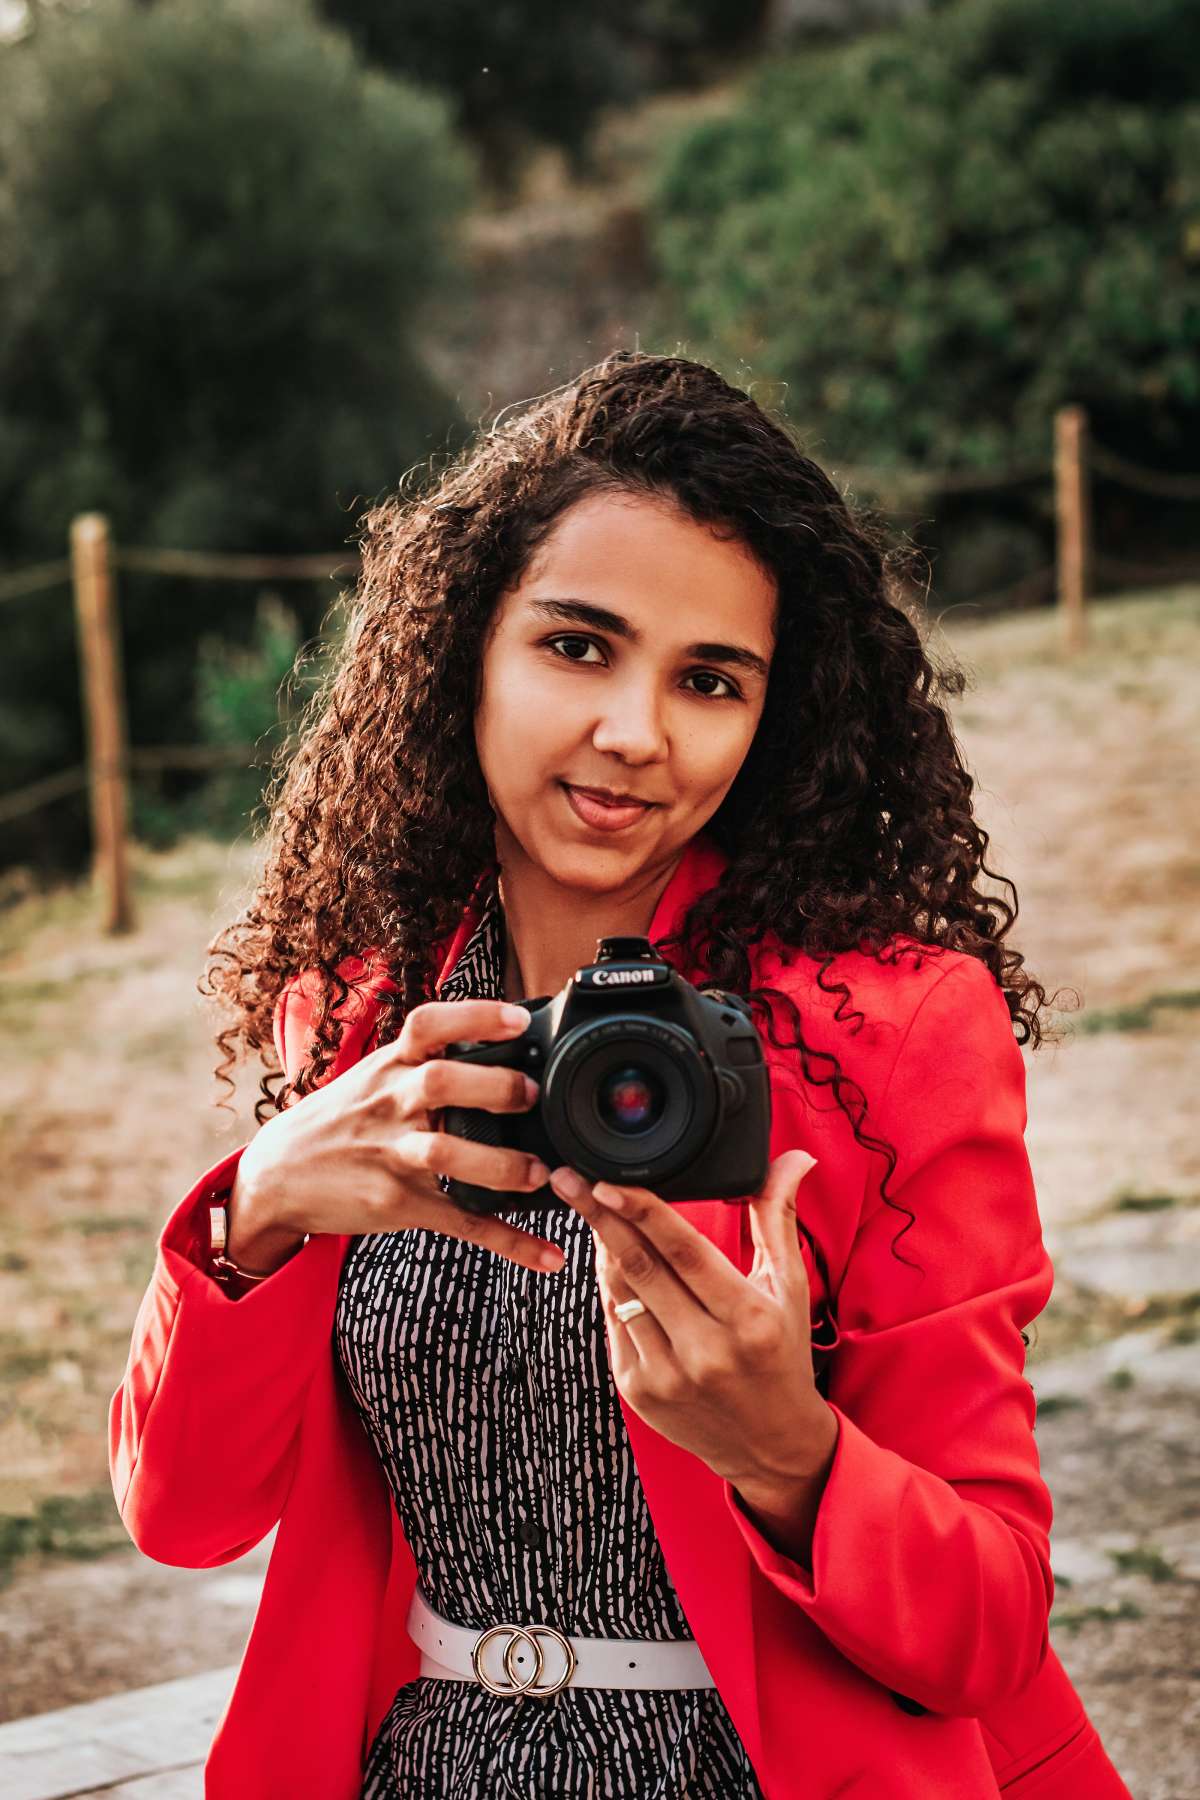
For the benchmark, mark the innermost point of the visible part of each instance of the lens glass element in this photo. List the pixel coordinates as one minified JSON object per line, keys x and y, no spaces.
{"x":630,"y":1100}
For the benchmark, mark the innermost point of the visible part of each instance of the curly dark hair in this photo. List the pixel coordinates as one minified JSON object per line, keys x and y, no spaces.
{"x":848,"y":826}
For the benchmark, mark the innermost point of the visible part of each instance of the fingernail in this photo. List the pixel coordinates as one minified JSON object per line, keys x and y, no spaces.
{"x":538,"y":1171}
{"x":551,"y":1260}
{"x":567,"y":1184}
{"x":532,"y":1090}
{"x":609,"y":1196}
{"x":515,"y":1015}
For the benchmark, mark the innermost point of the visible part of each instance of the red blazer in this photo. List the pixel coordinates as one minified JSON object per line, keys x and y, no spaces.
{"x":913,"y":1661}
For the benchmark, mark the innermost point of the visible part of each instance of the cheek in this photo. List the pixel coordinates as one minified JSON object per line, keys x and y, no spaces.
{"x":712,"y":752}
{"x":520,"y":728}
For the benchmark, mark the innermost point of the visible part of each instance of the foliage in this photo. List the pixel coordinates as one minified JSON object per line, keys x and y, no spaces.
{"x":938,"y":234}
{"x":540,"y":71}
{"x":80,"y":1526}
{"x":219,"y":235}
{"x":247,"y":698}
{"x":238,"y":685}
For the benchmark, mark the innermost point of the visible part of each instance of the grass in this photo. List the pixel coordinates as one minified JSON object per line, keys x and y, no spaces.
{"x":21,"y":1361}
{"x":66,"y":907}
{"x":16,"y":993}
{"x":1136,"y":629}
{"x":104,"y":1224}
{"x":1077,"y":1318}
{"x":106,"y":1122}
{"x":1073,"y":1618}
{"x":1080,"y":1318}
{"x":1144,"y":1560}
{"x":1170,"y":1309}
{"x":1053,"y":1404}
{"x":80,"y":1526}
{"x":1140,"y":1015}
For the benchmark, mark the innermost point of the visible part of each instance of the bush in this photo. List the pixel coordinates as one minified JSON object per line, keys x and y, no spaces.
{"x":247,"y":698}
{"x":220,"y":234}
{"x":540,"y":71}
{"x":939,"y":234}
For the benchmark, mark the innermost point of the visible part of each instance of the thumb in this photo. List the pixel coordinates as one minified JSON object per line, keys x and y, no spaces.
{"x":773,"y":1216}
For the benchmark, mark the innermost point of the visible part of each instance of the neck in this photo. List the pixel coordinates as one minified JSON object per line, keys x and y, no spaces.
{"x":552,"y":929}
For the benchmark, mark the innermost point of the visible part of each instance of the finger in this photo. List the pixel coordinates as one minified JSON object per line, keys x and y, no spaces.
{"x":490,"y":1233}
{"x":707,"y":1275}
{"x":442,"y":1082}
{"x":773,"y":1224}
{"x":428,"y":1028}
{"x":483,"y":1165}
{"x":647,"y":1342}
{"x":645,"y":1271}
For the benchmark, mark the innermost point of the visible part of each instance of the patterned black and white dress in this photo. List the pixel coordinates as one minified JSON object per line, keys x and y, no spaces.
{"x":487,"y":1392}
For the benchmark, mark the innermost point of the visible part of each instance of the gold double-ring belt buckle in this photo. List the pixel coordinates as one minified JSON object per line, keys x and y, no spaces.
{"x":523,"y":1684}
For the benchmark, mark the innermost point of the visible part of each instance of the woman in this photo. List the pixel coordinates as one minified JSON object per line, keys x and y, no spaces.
{"x":766,"y":1469}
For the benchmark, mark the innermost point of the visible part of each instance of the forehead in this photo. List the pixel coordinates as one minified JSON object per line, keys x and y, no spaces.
{"x":642,"y":556}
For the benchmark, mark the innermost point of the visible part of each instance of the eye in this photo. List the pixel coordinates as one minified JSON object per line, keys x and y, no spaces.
{"x":734,"y":692}
{"x":571,"y":638}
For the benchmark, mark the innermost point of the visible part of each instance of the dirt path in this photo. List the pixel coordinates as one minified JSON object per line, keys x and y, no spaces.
{"x":1088,"y":774}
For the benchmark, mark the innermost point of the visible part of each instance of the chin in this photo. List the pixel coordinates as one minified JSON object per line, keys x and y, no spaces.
{"x":595,"y":868}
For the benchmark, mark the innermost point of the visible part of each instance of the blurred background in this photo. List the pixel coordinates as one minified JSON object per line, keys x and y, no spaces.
{"x":263,"y":260}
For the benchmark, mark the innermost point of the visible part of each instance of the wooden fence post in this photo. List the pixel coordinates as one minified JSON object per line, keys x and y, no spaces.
{"x":1074,"y":523}
{"x":104,"y":706}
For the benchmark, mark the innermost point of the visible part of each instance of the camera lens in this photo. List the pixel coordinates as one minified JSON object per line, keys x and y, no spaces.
{"x":632,"y":1096}
{"x":630,"y":1100}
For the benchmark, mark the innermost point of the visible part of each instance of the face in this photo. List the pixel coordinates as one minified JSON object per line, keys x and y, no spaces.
{"x":633,"y":657}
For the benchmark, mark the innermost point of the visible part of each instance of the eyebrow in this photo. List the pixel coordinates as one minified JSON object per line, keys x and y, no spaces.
{"x":580,"y":612}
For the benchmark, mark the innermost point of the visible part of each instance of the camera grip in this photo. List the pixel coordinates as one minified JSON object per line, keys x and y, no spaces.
{"x":479,"y":1126}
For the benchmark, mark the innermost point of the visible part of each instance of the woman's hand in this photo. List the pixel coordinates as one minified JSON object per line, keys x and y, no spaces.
{"x":360,"y":1154}
{"x":720,"y":1362}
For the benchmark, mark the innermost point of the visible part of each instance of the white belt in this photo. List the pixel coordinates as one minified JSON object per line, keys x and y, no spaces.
{"x":540,"y":1660}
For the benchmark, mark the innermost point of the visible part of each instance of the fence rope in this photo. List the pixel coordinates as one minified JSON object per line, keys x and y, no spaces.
{"x":1118,"y":569}
{"x":41,"y":793}
{"x":894,"y":483}
{"x":1027,"y":591}
{"x":32,"y":579}
{"x":900,"y":480}
{"x":942,"y":481}
{"x":219,"y":567}
{"x":154,"y":757}
{"x":1146,"y":481}
{"x":148,"y":759}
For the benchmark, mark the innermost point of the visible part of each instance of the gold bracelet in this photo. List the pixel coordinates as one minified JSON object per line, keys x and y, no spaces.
{"x":221,"y":1265}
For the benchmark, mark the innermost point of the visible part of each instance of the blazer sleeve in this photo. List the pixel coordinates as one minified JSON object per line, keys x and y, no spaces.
{"x":930,"y":1556}
{"x":204,"y":1429}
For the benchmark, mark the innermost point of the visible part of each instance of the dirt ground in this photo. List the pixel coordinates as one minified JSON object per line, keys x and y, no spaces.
{"x":1088,"y":781}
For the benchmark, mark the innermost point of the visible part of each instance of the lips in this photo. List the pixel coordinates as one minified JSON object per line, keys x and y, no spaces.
{"x":602,"y":815}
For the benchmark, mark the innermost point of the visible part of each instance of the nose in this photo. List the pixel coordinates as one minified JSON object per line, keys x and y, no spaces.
{"x":631,"y":726}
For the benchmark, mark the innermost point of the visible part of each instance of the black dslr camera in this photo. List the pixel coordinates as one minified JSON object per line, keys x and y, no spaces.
{"x":644,"y":1079}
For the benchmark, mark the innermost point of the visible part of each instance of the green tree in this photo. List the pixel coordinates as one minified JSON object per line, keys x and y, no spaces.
{"x":936,"y":235}
{"x":220,"y":234}
{"x":522,"y":72}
